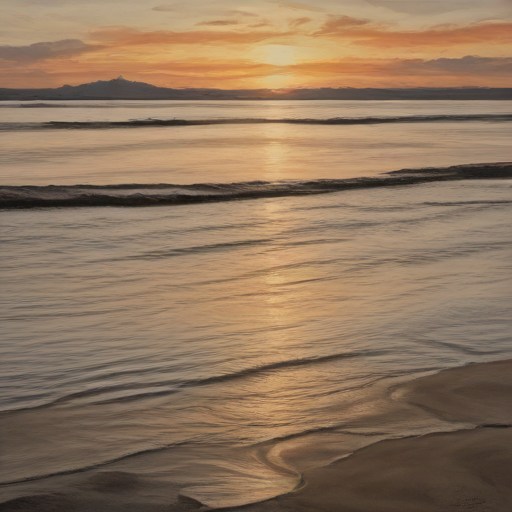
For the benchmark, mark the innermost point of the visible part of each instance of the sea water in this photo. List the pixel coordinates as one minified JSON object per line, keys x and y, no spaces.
{"x":186,"y":337}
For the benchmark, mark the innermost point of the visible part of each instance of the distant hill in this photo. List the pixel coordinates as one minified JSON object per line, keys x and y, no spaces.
{"x":121,"y":89}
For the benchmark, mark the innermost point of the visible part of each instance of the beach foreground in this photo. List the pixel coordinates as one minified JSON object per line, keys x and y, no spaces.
{"x":467,"y":469}
{"x":463,"y":470}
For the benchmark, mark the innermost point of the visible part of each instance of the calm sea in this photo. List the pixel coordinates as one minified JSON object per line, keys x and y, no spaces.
{"x":197,"y":338}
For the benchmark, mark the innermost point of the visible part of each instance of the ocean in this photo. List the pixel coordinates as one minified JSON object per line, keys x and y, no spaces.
{"x":204,"y":302}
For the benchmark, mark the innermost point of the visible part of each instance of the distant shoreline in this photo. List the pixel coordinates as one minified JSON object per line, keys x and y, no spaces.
{"x":121,"y":89}
{"x":203,"y":98}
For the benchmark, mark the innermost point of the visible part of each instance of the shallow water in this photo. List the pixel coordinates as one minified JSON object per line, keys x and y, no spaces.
{"x":201,"y":332}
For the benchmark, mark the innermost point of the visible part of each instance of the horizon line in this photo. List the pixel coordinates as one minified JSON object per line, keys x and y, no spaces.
{"x":120,"y":78}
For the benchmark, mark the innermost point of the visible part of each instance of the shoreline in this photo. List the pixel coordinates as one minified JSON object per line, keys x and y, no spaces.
{"x":465,"y":469}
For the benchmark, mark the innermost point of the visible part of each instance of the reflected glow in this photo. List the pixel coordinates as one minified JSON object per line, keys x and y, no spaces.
{"x":276,"y":152}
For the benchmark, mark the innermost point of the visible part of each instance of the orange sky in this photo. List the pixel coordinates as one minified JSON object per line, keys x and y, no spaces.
{"x":257,"y":43}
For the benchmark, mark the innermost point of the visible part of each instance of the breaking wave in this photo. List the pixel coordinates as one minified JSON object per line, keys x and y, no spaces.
{"x":132,"y":195}
{"x":156,"y":122}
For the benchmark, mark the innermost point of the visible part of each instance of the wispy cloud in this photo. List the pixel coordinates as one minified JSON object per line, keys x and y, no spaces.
{"x":364,"y":32}
{"x":469,"y":66}
{"x":337,"y":25}
{"x":466,"y":66}
{"x":45,"y":50}
{"x":260,"y":24}
{"x":243,"y":13}
{"x":127,"y":36}
{"x":299,"y":6}
{"x":424,"y":7}
{"x":166,"y":8}
{"x":218,"y":23}
{"x":297,"y":22}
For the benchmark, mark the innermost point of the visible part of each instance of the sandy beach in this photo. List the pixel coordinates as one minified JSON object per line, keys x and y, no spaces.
{"x":466,"y":470}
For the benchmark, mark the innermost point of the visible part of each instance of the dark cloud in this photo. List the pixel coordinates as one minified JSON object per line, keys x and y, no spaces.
{"x":45,"y":50}
{"x":218,"y":23}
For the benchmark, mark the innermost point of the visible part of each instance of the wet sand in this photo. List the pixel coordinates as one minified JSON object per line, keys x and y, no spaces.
{"x":467,"y":470}
{"x":464,"y":470}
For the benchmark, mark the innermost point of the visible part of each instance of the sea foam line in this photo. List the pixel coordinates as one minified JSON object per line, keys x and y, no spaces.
{"x":132,"y":195}
{"x":341,"y":121}
{"x":137,"y":123}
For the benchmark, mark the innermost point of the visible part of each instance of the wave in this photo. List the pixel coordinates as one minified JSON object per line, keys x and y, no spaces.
{"x":100,"y":464}
{"x":40,"y":105}
{"x":130,"y":104}
{"x":136,"y":391}
{"x":109,"y":104}
{"x":261,"y":446}
{"x":155,"y":122}
{"x":133,"y":195}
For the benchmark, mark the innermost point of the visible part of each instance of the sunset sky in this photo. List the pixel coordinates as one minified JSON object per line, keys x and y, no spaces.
{"x":233,"y":44}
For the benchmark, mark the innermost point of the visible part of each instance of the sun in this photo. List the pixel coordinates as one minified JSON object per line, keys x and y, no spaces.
{"x":277,"y":54}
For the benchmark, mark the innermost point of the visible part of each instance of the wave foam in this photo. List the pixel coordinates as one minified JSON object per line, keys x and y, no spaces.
{"x":132,"y":195}
{"x":137,"y":123}
{"x":155,"y":122}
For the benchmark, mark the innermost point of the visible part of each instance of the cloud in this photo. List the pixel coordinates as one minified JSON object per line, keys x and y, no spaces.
{"x":338,"y":24}
{"x":218,"y":23}
{"x":264,"y":23}
{"x":424,"y":7}
{"x":50,"y":3}
{"x":127,"y":36}
{"x":364,"y":32}
{"x":165,"y":8}
{"x":467,"y":67}
{"x":299,"y":21}
{"x":299,"y":6}
{"x":45,"y":50}
{"x":243,"y":13}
